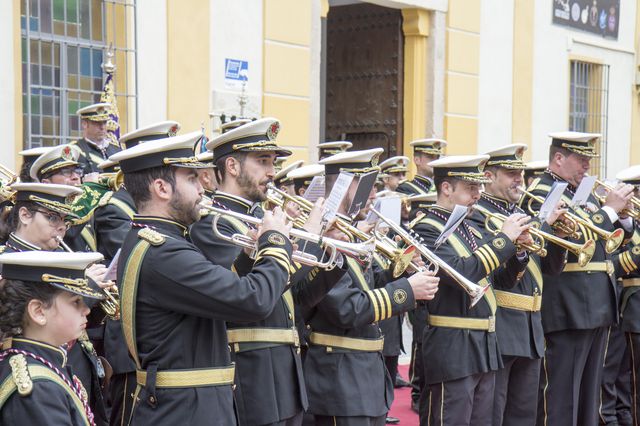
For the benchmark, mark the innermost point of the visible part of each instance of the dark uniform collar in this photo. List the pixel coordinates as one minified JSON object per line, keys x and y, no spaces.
{"x":498,"y":202}
{"x":53,"y":354}
{"x":209,"y":194}
{"x":235,"y":203}
{"x":15,"y":243}
{"x":161,"y":224}
{"x":423,"y":181}
{"x":556,"y":178}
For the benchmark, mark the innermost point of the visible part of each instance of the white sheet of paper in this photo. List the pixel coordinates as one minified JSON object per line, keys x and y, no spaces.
{"x":552,"y":200}
{"x":457,"y":216}
{"x":315,"y":189}
{"x":390,"y":207}
{"x":112,"y":270}
{"x":336,"y":196}
{"x":584,"y":190}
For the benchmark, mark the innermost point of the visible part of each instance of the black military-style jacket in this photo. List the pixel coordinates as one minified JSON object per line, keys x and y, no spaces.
{"x":91,"y":155}
{"x":82,"y":237}
{"x":182,"y":302}
{"x":418,"y":185}
{"x":578,"y":300}
{"x":520,"y":332}
{"x":345,"y":382}
{"x":453,"y":353}
{"x":82,"y":357}
{"x":277,"y":367}
{"x":391,"y":328}
{"x":51,"y":401}
{"x":627,"y":262}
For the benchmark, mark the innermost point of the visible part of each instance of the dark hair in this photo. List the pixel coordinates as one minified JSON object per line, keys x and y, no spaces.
{"x":137,"y":183}
{"x":14,"y":218}
{"x":557,"y":149}
{"x":220,"y":169}
{"x":438,"y":181}
{"x":25,"y":176}
{"x":15,"y":295}
{"x":5,"y":223}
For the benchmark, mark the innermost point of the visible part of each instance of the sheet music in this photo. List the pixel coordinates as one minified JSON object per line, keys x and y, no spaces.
{"x":457,"y":216}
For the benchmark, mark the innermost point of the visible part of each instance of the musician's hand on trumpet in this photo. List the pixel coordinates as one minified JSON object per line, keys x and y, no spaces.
{"x":274,"y":220}
{"x":558,"y":214}
{"x":424,"y":285}
{"x":515,"y":225}
{"x":314,"y":224}
{"x":97,"y":273}
{"x":619,"y":197}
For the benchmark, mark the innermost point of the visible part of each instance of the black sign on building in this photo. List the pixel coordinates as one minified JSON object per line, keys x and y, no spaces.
{"x":594,"y":16}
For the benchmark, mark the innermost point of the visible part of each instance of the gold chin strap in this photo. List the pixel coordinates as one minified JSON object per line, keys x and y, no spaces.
{"x":66,"y":208}
{"x":362,"y":170}
{"x":259,"y":144}
{"x":430,"y":151}
{"x":77,"y":282}
{"x":475,"y":177}
{"x":56,"y":166}
{"x":516,"y":163}
{"x":181,"y":160}
{"x":579,"y":149}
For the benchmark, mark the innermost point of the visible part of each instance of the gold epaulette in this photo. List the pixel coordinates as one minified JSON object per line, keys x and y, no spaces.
{"x":104,"y":200}
{"x":153,"y":237}
{"x":20,"y":374}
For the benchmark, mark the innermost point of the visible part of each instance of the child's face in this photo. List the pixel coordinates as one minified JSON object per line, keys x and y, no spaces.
{"x":66,"y":318}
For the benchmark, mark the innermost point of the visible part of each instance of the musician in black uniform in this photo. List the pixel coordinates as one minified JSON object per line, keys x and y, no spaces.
{"x":174,"y":301}
{"x":303,"y":176}
{"x":460,"y":348}
{"x":265,"y":352}
{"x":112,"y":220}
{"x":39,"y":222}
{"x":346,"y":378}
{"x":42,"y":307}
{"x":28,"y":157}
{"x":518,"y":320}
{"x":95,"y":146}
{"x":424,"y":152}
{"x":533,"y":170}
{"x":327,"y":149}
{"x":580,"y":304}
{"x":620,"y":400}
{"x":282,"y":181}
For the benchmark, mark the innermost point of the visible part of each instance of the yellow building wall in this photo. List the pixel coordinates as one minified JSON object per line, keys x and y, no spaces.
{"x":522,"y":100}
{"x":286,"y":72}
{"x":188,"y":50}
{"x":462,"y":67}
{"x":634,"y":148}
{"x":17,"y":84}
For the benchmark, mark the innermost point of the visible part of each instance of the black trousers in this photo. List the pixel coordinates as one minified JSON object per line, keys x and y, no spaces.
{"x":461,"y":402}
{"x":350,"y":421}
{"x":121,"y":389}
{"x":633,"y":340}
{"x":516,"y":396}
{"x":571,"y":375}
{"x":391,"y":362}
{"x":615,"y":403}
{"x":416,"y":371}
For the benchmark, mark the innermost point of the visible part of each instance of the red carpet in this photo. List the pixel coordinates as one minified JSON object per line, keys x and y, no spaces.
{"x":401,"y":407}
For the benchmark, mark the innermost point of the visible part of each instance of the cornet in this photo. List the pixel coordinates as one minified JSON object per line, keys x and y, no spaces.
{"x":110,"y":304}
{"x":400,"y":258}
{"x":584,"y":252}
{"x":633,"y":212}
{"x":475,"y":291}
{"x":612,"y":239}
{"x":360,"y":251}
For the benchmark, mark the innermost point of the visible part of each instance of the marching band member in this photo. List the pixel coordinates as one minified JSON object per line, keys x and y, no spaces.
{"x":347,"y":381}
{"x":281,"y":179}
{"x":302,"y":177}
{"x":327,"y":149}
{"x":39,"y":221}
{"x":175,"y":301}
{"x":28,"y":157}
{"x":533,"y":170}
{"x":580,"y":304}
{"x":395,"y":170}
{"x":460,"y":348}
{"x":268,"y":351}
{"x":424,"y":152}
{"x":95,"y":147}
{"x":43,"y":305}
{"x":518,"y":320}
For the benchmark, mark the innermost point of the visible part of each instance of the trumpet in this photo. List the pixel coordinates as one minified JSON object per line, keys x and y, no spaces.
{"x":633,"y":212}
{"x":112,"y":180}
{"x":474,"y":290}
{"x":360,"y":251}
{"x":110,"y":304}
{"x":584,"y":252}
{"x":612,"y":239}
{"x":7,"y":178}
{"x":400,"y":258}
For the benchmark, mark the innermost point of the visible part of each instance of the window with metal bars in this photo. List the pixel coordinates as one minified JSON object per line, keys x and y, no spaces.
{"x":588,"y":106}
{"x":63,"y":44}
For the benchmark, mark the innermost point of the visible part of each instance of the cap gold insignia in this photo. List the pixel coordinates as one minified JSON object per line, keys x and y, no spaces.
{"x":173,"y":130}
{"x":499,"y":243}
{"x":374,"y":160}
{"x":399,"y":296}
{"x":276,"y":239}
{"x":519,"y":153}
{"x":635,"y":250}
{"x":598,"y":218}
{"x":272,"y":131}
